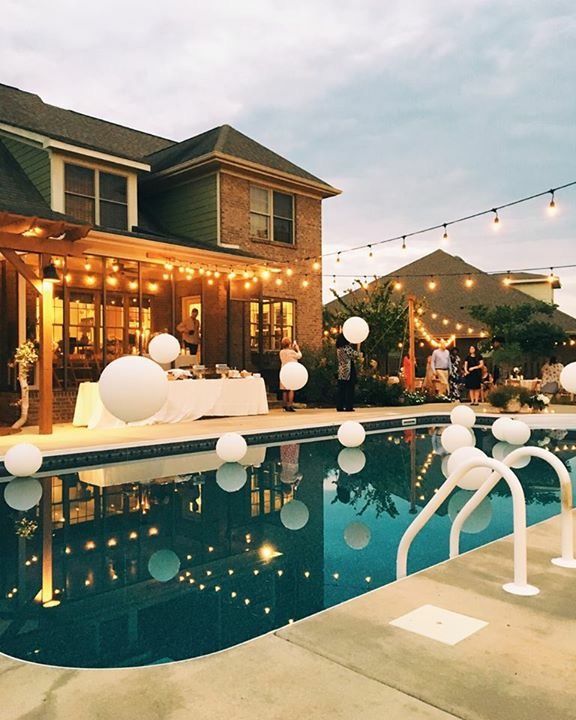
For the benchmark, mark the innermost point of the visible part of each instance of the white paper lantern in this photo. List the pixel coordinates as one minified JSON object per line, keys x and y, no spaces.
{"x":351,"y":460}
{"x":293,"y":376}
{"x":231,"y":476}
{"x":356,"y":330}
{"x":516,"y":432}
{"x":351,"y":434}
{"x":23,"y":459}
{"x":357,"y":535}
{"x":501,"y":450}
{"x":23,"y":493}
{"x":163,"y":565}
{"x":568,"y":377}
{"x":463,"y":415}
{"x":480,"y":518}
{"x":294,"y":515}
{"x":164,"y":348}
{"x":231,"y":447}
{"x":474,"y":478}
{"x":456,"y":436}
{"x":133,"y":388}
{"x":499,"y":427}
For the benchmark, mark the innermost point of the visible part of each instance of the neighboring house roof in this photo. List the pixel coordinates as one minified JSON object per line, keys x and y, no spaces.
{"x":17,"y":193}
{"x":227,"y":141}
{"x":451,"y":298}
{"x":29,"y":112}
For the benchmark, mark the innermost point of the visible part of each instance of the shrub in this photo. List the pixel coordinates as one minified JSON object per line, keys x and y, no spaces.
{"x":504,"y":394}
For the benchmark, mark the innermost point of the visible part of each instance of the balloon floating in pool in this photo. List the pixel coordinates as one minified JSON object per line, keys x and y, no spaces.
{"x":23,"y":459}
{"x":231,"y":447}
{"x":163,"y":565}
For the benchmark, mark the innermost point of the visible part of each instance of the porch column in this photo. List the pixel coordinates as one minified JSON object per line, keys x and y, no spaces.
{"x":46,"y":402}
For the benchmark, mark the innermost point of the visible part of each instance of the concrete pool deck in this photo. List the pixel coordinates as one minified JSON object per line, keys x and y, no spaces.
{"x":349,"y":662}
{"x":67,"y":438}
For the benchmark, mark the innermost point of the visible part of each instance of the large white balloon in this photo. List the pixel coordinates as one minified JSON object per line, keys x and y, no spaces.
{"x":231,"y":447}
{"x":463,"y":415}
{"x":357,"y":535}
{"x":516,"y":432}
{"x":356,"y":330}
{"x":480,"y":518}
{"x":163,"y":565}
{"x":499,"y":427}
{"x":23,"y":459}
{"x":133,"y":388}
{"x":351,"y":460}
{"x":351,"y":434}
{"x":475,"y":477}
{"x":456,"y":436}
{"x":23,"y":493}
{"x":293,"y":376}
{"x":444,"y":465}
{"x":164,"y":348}
{"x":231,"y":476}
{"x":568,"y":377}
{"x":501,"y":450}
{"x":294,"y":515}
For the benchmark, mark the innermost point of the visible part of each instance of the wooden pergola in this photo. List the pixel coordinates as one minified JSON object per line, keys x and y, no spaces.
{"x":24,"y":234}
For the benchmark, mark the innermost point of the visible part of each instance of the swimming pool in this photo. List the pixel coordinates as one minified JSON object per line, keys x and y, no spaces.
{"x":166,"y":559}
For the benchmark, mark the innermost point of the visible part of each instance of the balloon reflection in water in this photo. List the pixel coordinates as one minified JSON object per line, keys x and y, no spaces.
{"x":357,"y":535}
{"x":294,"y":515}
{"x":163,"y":565}
{"x":480,"y":518}
{"x":231,"y":476}
{"x":351,"y":460}
{"x":23,"y":493}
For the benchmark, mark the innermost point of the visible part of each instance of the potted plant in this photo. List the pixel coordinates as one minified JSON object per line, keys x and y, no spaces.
{"x":508,"y":398}
{"x":538,"y":402}
{"x":25,"y":358}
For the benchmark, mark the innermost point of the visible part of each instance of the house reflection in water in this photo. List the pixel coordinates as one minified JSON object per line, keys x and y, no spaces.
{"x":241,"y":572}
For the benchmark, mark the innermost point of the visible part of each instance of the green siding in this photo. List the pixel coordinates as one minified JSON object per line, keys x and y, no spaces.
{"x":188,"y":210}
{"x":35,"y":162}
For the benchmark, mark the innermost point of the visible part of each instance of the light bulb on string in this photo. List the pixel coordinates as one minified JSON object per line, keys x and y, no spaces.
{"x":397,"y":284}
{"x":551,"y":277}
{"x":305,"y":283}
{"x":507,"y":280}
{"x":404,"y":242}
{"x":432,"y":283}
{"x":469,"y":282}
{"x":496,"y":221}
{"x":370,"y":253}
{"x":552,"y":208}
{"x":445,"y":236}
{"x":289,"y":272}
{"x":278,"y":281}
{"x":265,"y":274}
{"x":338,"y":257}
{"x":316,"y":265}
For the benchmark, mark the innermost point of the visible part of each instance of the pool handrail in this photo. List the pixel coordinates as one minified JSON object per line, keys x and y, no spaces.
{"x":566,"y":559}
{"x":520,"y":585}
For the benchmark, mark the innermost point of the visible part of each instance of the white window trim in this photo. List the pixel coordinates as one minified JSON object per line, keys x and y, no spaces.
{"x":270,"y":217}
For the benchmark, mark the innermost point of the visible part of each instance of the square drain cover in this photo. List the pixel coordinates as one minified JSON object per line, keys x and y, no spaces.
{"x":438,"y":624}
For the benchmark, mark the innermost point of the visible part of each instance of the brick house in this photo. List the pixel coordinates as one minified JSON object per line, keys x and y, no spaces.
{"x":141,"y":229}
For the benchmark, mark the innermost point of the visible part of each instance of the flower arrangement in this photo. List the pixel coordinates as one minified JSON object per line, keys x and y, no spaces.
{"x":26,"y":528}
{"x":24,"y":358}
{"x":413,"y":398}
{"x":538,"y":402}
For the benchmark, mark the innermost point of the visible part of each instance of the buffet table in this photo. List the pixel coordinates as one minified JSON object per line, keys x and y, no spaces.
{"x":187,"y":400}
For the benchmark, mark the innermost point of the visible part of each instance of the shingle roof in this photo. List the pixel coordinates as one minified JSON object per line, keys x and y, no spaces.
{"x":228,"y":141}
{"x":451,"y":298}
{"x":18,"y":195}
{"x":29,"y":112}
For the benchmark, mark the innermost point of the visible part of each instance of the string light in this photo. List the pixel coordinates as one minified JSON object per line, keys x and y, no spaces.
{"x":305,"y":283}
{"x":432,"y":283}
{"x":316,"y":265}
{"x":115,"y":266}
{"x":370,"y":253}
{"x":112,"y":281}
{"x":133,"y":284}
{"x":445,"y":236}
{"x":397,"y":285}
{"x":265,"y":274}
{"x":552,"y":204}
{"x":338,"y":257}
{"x":90,"y":280}
{"x":231,"y":275}
{"x":404,"y":242}
{"x":289,"y":272}
{"x":278,"y":281}
{"x":469,"y":282}
{"x":87,"y":266}
{"x":496,"y":221}
{"x":507,"y":280}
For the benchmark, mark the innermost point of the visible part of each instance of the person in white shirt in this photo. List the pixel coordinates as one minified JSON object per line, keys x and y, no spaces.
{"x":441,"y":366}
{"x":290,"y":352}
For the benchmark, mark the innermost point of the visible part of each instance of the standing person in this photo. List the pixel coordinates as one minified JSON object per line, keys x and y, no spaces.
{"x":408,"y":372}
{"x":290,"y":352}
{"x":455,"y":373}
{"x":550,"y":375}
{"x":487,"y":382}
{"x":346,"y":356}
{"x":428,"y":384}
{"x":473,"y":374}
{"x":190,"y":329}
{"x":441,"y":365}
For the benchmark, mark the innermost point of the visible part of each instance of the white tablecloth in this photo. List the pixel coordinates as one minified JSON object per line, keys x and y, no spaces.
{"x":187,"y":400}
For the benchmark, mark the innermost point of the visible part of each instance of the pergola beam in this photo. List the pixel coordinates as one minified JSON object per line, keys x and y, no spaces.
{"x":25,"y":270}
{"x":48,"y":246}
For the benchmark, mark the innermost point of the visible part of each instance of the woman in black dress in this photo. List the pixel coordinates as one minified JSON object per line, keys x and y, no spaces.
{"x":473,"y":374}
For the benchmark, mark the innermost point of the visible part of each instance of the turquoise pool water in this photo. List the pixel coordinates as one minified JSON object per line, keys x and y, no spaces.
{"x":168,"y":559}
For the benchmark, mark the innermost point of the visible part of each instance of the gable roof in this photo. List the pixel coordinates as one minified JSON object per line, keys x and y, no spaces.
{"x":227,"y":141}
{"x":29,"y":112}
{"x":17,"y":193}
{"x":451,"y":299}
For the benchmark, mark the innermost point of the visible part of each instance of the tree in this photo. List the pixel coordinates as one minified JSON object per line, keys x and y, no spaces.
{"x":25,"y":358}
{"x":386,"y":316}
{"x":524,"y":335}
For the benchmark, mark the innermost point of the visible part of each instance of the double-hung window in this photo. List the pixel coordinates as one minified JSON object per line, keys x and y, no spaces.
{"x":271,"y":215}
{"x":96,"y":197}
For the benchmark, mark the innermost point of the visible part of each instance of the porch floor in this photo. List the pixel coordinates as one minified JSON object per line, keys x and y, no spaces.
{"x":67,"y":438}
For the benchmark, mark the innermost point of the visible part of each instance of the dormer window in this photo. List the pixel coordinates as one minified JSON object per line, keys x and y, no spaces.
{"x":96,"y":197}
{"x":271,"y":215}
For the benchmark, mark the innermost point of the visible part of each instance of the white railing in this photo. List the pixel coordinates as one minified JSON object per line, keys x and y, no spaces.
{"x":520,"y":585}
{"x":566,"y":559}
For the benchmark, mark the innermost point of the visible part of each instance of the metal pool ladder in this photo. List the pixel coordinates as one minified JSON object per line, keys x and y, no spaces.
{"x":520,"y":585}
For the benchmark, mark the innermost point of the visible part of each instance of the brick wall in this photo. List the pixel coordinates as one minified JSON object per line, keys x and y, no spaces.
{"x":235,"y":229}
{"x":64,"y":403}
